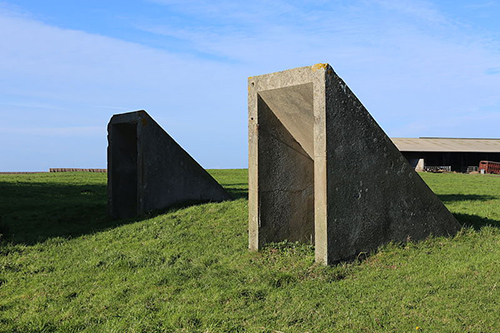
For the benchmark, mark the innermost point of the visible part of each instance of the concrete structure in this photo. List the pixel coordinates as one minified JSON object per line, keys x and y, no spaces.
{"x":148,"y":170}
{"x":321,"y":170}
{"x":458,"y":153}
{"x":419,"y":165}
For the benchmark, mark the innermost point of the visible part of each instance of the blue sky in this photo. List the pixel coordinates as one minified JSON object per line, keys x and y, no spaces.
{"x":422,"y":68}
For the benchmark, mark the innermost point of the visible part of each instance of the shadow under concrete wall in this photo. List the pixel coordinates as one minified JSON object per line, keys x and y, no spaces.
{"x":32,"y":212}
{"x":470,"y":220}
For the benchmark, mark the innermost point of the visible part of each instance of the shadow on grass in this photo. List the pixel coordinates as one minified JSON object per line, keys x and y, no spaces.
{"x":474,"y":221}
{"x":468,"y":220}
{"x":32,"y":212}
{"x":465,"y":197}
{"x":237,"y":193}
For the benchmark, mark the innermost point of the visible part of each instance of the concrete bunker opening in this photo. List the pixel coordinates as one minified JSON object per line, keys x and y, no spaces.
{"x":286,"y":163}
{"x":125,"y":169}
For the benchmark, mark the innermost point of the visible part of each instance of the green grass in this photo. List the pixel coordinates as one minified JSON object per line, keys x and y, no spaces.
{"x":64,"y":267}
{"x":472,"y":198}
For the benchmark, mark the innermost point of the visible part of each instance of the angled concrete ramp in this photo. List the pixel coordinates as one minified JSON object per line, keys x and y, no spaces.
{"x":148,"y":170}
{"x":321,"y":170}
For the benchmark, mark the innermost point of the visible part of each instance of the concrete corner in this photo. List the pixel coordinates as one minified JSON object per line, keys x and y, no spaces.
{"x":148,"y":170}
{"x":321,"y":170}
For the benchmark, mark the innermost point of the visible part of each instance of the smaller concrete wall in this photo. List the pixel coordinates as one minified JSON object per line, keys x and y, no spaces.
{"x":148,"y":170}
{"x":417,"y":163}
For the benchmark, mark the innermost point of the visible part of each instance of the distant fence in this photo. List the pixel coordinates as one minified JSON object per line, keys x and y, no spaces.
{"x":472,"y":168}
{"x":438,"y":168}
{"x":76,"y":170}
{"x":19,"y":172}
{"x":52,"y":170}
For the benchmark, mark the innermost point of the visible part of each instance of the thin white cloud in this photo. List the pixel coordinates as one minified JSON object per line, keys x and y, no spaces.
{"x":30,"y":105}
{"x":472,"y":125}
{"x":111,"y":107}
{"x":418,"y":9}
{"x":492,"y":71}
{"x":482,"y":5}
{"x":74,"y":131}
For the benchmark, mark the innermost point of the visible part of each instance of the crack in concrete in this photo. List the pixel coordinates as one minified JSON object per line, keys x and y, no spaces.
{"x":286,"y":190}
{"x":303,"y":153}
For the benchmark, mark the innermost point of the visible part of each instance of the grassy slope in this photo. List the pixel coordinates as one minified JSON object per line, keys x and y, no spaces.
{"x":65,"y":267}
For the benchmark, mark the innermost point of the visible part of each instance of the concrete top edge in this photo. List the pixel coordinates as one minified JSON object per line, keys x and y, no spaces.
{"x":128,"y":117}
{"x":314,"y":68}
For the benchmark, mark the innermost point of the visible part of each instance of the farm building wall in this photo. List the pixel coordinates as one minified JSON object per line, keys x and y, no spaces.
{"x":459,"y":161}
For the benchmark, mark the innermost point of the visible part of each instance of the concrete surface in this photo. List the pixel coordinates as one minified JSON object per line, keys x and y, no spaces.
{"x":148,"y":170}
{"x":321,"y":170}
{"x":417,"y":163}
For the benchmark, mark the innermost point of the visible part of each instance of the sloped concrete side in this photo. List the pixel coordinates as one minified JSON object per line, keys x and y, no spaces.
{"x":374,"y":195}
{"x":148,"y":170}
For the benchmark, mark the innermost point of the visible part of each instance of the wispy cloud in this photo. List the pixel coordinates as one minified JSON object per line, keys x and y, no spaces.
{"x":76,"y":131}
{"x":492,"y":71}
{"x":425,"y":11}
{"x":473,"y":125}
{"x":482,"y":5}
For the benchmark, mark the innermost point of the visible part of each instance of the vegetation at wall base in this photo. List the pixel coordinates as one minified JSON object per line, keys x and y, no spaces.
{"x":65,"y":267}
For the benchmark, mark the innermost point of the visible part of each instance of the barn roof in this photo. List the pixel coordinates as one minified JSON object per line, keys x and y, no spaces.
{"x":447,"y":145}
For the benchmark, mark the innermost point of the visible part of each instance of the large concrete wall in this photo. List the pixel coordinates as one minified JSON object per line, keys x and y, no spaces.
{"x":322,"y":170}
{"x":148,"y":170}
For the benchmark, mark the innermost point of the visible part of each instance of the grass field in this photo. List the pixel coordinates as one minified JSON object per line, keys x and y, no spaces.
{"x":64,"y":267}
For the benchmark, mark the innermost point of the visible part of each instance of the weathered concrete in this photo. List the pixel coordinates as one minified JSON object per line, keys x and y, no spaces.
{"x":321,"y":170}
{"x":417,"y":163}
{"x":148,"y":170}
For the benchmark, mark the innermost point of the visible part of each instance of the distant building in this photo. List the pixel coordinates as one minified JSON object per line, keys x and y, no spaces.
{"x":457,"y":154}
